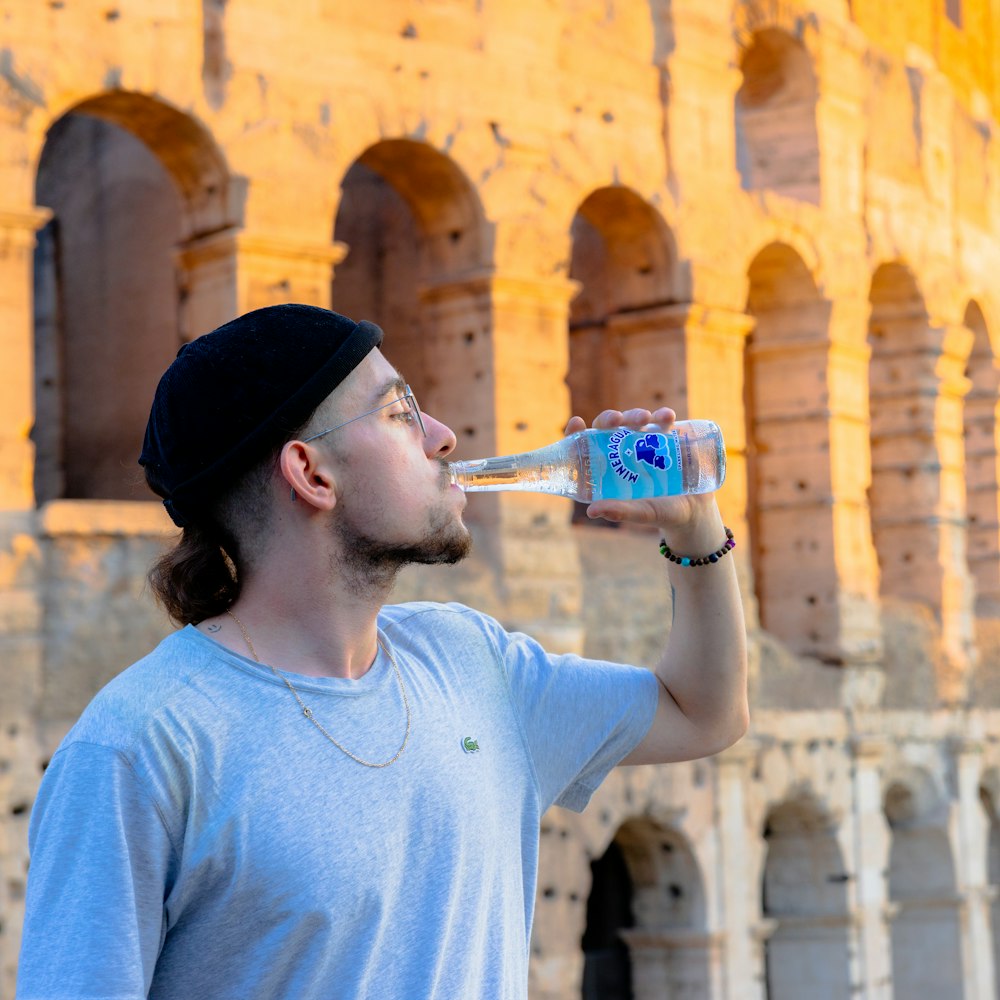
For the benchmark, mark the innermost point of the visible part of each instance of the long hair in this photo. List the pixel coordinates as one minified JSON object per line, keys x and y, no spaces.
{"x":202,"y":575}
{"x":196,"y":579}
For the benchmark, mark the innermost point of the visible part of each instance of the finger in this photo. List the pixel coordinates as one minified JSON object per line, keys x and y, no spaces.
{"x":636,"y":417}
{"x":608,"y":418}
{"x":664,"y":416}
{"x":575,"y":424}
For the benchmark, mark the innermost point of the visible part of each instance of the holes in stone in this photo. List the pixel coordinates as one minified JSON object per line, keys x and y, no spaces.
{"x":478,"y":376}
{"x":409,"y":30}
{"x":564,"y":834}
{"x":521,"y":425}
{"x":676,"y":892}
{"x":468,"y":336}
{"x":657,"y":397}
{"x":19,"y":808}
{"x":112,"y":15}
{"x":574,"y":897}
{"x":812,"y":599}
{"x":469,"y":431}
{"x":607,"y":117}
{"x":666,"y":847}
{"x":907,"y":557}
{"x":909,"y":473}
{"x":646,"y":269}
{"x":455,"y":235}
{"x":549,"y":892}
{"x":605,"y":816}
{"x":802,"y":485}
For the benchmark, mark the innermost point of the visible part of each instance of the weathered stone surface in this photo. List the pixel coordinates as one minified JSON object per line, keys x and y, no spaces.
{"x":781,"y":216}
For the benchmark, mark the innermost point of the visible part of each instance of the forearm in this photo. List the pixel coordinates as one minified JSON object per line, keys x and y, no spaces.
{"x":704,"y":668}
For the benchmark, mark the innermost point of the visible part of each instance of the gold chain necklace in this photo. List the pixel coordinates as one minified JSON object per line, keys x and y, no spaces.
{"x":307,"y":712}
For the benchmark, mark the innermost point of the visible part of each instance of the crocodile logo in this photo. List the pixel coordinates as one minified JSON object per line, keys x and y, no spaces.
{"x":469,"y":745}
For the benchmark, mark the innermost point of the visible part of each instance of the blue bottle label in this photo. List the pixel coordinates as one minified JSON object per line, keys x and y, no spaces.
{"x":640,"y":464}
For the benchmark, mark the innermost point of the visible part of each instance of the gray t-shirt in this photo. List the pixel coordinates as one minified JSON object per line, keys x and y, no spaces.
{"x":196,"y":838}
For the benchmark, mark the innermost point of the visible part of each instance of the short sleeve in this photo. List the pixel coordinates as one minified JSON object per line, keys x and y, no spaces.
{"x":101,"y":861}
{"x":579,"y":717}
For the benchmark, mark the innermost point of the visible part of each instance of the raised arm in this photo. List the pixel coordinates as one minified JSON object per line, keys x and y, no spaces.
{"x":703,"y":673}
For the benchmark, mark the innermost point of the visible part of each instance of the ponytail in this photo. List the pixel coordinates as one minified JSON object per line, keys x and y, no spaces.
{"x":196,"y":579}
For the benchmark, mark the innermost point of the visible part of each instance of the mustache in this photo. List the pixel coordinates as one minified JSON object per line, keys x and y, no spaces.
{"x":445,"y":473}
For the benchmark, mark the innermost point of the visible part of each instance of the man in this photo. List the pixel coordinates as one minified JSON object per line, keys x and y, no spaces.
{"x":305,"y":793}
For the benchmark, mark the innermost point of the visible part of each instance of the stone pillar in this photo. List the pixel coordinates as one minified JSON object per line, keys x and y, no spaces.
{"x":21,"y":606}
{"x":230,"y":272}
{"x":760,"y":935}
{"x":870,"y":863}
{"x":673,"y":963}
{"x":496,"y":354}
{"x":970,"y":835}
{"x":17,"y":348}
{"x":982,"y":464}
{"x":742,"y":954}
{"x":858,"y":628}
{"x":919,"y":509}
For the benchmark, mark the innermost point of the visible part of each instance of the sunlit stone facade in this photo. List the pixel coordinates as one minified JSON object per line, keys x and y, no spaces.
{"x":783,"y":217}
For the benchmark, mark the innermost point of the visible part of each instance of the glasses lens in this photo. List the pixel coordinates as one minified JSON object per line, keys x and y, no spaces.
{"x":415,"y":407}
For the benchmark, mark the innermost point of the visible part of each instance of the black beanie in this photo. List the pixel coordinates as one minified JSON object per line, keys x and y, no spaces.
{"x":236,"y":393}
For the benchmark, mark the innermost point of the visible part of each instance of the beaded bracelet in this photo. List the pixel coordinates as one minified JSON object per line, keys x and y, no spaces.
{"x":713,"y":557}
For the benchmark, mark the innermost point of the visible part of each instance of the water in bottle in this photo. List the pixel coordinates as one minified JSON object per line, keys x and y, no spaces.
{"x":617,"y":464}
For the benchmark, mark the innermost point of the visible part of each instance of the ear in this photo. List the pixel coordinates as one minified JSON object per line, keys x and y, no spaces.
{"x":309,"y":473}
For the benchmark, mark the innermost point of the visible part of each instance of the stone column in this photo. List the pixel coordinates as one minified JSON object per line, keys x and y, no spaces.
{"x":17,"y":348}
{"x":982,"y":464}
{"x":21,"y":606}
{"x":870,"y":863}
{"x":742,"y":955}
{"x":919,"y":508}
{"x":496,"y":354}
{"x":230,"y":272}
{"x":970,"y":833}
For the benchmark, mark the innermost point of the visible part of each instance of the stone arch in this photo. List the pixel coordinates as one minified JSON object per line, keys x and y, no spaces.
{"x":804,"y":896}
{"x":130,"y":181}
{"x":417,"y":263}
{"x":917,"y":386}
{"x":646,"y":931}
{"x":624,"y":259}
{"x":926,"y":935}
{"x":777,"y":143}
{"x":982,"y":458}
{"x":788,"y":451}
{"x":211,"y":195}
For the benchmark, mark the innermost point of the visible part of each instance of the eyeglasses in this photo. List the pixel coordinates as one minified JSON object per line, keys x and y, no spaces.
{"x":407,"y":399}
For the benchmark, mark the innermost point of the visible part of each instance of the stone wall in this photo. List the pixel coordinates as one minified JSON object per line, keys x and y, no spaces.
{"x":781,"y":216}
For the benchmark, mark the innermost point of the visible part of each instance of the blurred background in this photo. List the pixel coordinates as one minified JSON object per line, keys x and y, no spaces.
{"x":781,"y":216}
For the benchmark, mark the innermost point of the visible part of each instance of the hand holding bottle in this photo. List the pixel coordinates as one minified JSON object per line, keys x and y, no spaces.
{"x":673,"y":511}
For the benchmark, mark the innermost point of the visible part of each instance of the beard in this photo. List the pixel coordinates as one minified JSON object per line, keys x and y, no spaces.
{"x":372,"y":563}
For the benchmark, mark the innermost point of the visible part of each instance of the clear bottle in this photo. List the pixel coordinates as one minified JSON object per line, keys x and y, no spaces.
{"x":618,"y":464}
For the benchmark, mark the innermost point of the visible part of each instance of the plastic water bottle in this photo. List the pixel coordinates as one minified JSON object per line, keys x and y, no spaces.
{"x":618,"y":464}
